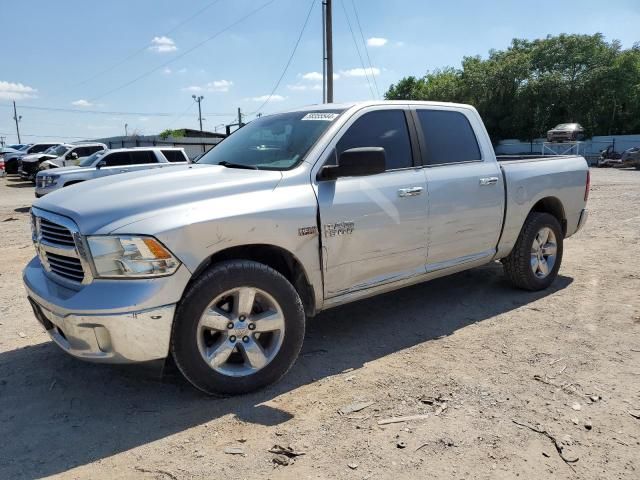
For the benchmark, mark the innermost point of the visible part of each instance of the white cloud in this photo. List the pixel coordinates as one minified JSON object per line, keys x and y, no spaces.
{"x":376,"y":42}
{"x":16,"y":91}
{"x":315,"y":76}
{"x":82,"y":103}
{"x":263,"y":98}
{"x":301,"y":88}
{"x":215,"y":86}
{"x":361,"y":72}
{"x":167,"y":71}
{"x":182,"y":70}
{"x":163,"y":45}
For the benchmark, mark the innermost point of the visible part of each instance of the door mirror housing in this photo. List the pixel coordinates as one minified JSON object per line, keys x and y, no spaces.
{"x":101,"y":163}
{"x":356,"y":162}
{"x":72,"y":156}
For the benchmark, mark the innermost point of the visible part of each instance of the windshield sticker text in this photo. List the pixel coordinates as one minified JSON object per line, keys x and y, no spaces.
{"x":327,"y":117}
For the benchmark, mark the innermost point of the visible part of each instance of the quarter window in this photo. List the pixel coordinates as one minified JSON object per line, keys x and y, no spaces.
{"x":382,"y":128}
{"x":448,"y":137}
{"x":174,"y":155}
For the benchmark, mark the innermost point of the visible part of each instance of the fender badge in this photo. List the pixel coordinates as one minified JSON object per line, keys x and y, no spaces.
{"x":307,"y":231}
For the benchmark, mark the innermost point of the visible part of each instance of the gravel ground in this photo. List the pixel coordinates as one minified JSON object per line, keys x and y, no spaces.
{"x":513,"y":384}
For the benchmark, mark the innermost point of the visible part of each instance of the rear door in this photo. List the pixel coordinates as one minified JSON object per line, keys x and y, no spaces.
{"x":466,"y":193}
{"x":373,"y":227}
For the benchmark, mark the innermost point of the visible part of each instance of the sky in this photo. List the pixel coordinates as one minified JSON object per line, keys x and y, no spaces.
{"x":82,"y":69}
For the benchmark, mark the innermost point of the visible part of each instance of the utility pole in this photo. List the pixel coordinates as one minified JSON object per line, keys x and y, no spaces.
{"x":17,"y":119}
{"x":240,"y":124}
{"x":328,"y":51}
{"x":199,"y":99}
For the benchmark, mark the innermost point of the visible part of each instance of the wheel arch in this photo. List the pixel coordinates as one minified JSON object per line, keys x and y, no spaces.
{"x":278,"y":258}
{"x":552,"y":206}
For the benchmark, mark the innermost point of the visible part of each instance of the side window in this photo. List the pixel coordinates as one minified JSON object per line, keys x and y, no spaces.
{"x":382,"y":128}
{"x":117,"y":159}
{"x":174,"y":155}
{"x":38,"y":148}
{"x":144,"y":156}
{"x":81,"y":152}
{"x":448,"y":137}
{"x":94,"y":149}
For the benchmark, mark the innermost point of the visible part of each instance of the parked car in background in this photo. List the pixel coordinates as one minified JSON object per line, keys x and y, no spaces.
{"x":609,"y":158}
{"x":104,"y":163}
{"x":631,"y":158}
{"x":220,"y":263}
{"x":566,"y":132}
{"x":12,"y":159}
{"x":67,"y":154}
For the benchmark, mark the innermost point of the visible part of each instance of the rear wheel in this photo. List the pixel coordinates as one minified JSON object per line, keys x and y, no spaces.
{"x":240,"y":327}
{"x":534,"y":262}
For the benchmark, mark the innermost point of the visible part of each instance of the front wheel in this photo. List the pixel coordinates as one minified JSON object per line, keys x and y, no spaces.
{"x":239,"y":327}
{"x":534,"y":262}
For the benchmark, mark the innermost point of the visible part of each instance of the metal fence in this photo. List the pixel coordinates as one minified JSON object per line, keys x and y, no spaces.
{"x":590,"y":149}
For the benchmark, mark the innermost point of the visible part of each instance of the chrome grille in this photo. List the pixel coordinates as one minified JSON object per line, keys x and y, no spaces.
{"x":67,"y":267}
{"x":59,"y":247}
{"x":54,"y":233}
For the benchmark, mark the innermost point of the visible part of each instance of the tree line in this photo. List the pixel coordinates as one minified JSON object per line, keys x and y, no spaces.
{"x":530,"y":87}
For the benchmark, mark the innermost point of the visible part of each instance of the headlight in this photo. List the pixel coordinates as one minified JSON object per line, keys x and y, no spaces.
{"x":48,"y":180}
{"x":130,"y":256}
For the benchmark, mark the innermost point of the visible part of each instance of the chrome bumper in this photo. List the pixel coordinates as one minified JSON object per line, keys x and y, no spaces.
{"x":107,"y":321}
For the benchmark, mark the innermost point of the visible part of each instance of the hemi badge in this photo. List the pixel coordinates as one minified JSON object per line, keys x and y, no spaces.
{"x":307,"y":231}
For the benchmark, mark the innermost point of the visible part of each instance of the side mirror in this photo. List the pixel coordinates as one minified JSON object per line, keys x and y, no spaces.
{"x":72,"y":156}
{"x":356,"y":162}
{"x":101,"y":163}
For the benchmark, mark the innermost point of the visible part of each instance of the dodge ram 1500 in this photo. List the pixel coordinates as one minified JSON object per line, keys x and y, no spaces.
{"x":218,"y":264}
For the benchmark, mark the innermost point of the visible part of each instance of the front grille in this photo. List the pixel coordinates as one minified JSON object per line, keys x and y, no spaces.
{"x":61,"y":258}
{"x":57,"y":234}
{"x":67,"y":267}
{"x":30,"y":167}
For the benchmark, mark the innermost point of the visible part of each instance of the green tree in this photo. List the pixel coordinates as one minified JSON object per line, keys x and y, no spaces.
{"x":533,"y":85}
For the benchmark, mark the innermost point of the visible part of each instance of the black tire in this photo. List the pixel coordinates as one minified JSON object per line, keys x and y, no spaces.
{"x":214,"y":282}
{"x":11,"y":167}
{"x":517,"y":266}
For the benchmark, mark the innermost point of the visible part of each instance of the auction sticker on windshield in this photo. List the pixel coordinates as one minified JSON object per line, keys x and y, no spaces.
{"x":327,"y":117}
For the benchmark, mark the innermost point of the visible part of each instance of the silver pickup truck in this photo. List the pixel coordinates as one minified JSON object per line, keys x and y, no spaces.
{"x":218,"y":264}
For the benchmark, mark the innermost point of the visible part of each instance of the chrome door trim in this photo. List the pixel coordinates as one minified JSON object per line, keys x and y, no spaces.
{"x":410,"y":191}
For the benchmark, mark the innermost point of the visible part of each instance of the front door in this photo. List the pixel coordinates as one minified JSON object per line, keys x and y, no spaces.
{"x":374,"y":227}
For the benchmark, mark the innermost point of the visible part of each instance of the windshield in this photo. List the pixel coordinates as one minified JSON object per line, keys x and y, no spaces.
{"x":275,"y":142}
{"x":87,"y":162}
{"x":57,"y":150}
{"x":24,"y":147}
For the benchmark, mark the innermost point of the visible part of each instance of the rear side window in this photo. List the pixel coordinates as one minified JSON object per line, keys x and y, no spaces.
{"x":174,"y":155}
{"x":448,"y":137}
{"x":382,"y":128}
{"x":39,"y":148}
{"x":117,"y":159}
{"x":141,"y":157}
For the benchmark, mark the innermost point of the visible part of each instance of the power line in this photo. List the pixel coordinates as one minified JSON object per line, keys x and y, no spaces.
{"x":145,"y":47}
{"x":44,"y":136}
{"x":286,"y":67}
{"x":355,"y":10}
{"x":102,"y":112}
{"x":186,"y":52}
{"x":355,"y":42}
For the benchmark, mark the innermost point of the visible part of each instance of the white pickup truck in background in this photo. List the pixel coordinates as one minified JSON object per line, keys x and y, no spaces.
{"x":218,"y":264}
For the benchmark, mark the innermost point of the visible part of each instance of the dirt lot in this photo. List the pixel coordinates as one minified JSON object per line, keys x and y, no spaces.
{"x":480,"y":358}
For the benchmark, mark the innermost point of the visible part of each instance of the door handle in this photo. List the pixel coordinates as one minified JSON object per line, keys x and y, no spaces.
{"x":124,"y":171}
{"x":410,"y":192}
{"x":488,"y":181}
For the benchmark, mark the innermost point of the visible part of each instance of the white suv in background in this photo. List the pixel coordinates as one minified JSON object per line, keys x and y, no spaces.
{"x":109,"y":162}
{"x":67,"y":154}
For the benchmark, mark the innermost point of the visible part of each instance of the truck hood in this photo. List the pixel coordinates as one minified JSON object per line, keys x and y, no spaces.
{"x":34,"y":157}
{"x":69,"y":169}
{"x":106,"y":204}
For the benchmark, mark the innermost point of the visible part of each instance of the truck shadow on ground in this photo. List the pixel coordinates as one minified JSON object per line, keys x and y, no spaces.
{"x":58,"y":413}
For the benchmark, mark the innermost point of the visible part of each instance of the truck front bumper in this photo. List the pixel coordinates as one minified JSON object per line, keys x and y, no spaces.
{"x":109,"y":321}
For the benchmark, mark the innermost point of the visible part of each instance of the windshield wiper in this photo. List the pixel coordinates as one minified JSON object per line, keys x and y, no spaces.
{"x":224,"y":163}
